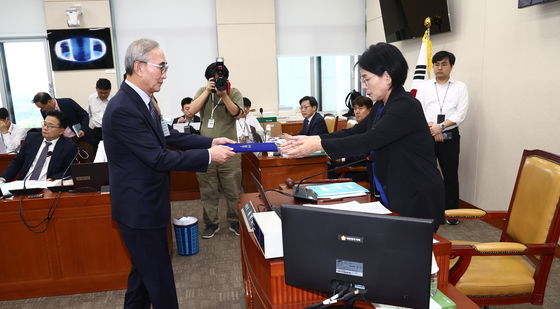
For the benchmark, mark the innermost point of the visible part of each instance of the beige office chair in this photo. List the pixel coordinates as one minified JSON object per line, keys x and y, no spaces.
{"x":351,"y":122}
{"x":330,"y":121}
{"x":515,"y":269}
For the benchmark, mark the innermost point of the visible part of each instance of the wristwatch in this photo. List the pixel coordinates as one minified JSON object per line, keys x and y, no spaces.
{"x":442,"y":126}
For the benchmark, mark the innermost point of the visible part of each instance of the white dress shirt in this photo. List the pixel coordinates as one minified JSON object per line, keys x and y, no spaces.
{"x":12,"y":139}
{"x":96,"y":108}
{"x":450,"y":99}
{"x":244,"y":125}
{"x":43,"y":175}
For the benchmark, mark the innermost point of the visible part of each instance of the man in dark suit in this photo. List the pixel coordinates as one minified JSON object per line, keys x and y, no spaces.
{"x":314,"y":123}
{"x":43,"y":156}
{"x":75,"y":115}
{"x":135,"y":140}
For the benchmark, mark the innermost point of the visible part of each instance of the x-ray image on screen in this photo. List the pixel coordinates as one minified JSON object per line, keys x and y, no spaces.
{"x":80,"y":49}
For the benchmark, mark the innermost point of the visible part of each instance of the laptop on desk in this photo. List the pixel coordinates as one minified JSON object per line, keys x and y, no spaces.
{"x":89,"y":177}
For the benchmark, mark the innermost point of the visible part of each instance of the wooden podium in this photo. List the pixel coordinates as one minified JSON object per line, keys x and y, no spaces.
{"x":264,"y":279}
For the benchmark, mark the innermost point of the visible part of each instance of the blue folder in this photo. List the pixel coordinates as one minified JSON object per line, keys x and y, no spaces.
{"x":252,"y":147}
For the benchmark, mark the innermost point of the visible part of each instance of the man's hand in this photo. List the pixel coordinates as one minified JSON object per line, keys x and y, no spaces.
{"x":81,"y":133}
{"x":181,"y":120}
{"x":438,"y":137}
{"x":222,"y":140}
{"x":301,"y":145}
{"x":221,"y":154}
{"x":210,"y":86}
{"x":435,"y":129}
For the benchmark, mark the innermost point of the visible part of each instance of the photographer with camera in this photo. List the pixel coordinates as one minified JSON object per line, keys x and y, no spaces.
{"x":219,"y":106}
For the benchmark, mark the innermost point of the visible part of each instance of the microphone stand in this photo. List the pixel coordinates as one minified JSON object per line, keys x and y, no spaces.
{"x":62,"y":187}
{"x":304,"y":195}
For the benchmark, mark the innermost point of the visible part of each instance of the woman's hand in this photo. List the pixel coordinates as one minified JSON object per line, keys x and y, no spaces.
{"x":301,"y":145}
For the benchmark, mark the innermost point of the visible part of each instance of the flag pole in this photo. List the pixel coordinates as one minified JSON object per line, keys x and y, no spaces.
{"x":423,"y":67}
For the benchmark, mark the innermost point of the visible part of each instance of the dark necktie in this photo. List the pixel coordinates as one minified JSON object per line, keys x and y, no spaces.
{"x":153,"y":111}
{"x":40,"y":162}
{"x":305,"y":126}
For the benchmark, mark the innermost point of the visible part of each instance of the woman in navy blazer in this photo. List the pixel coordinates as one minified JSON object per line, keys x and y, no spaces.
{"x":139,"y":164}
{"x":394,"y":133}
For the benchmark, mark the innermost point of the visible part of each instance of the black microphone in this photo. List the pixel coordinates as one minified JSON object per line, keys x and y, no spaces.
{"x":304,"y":195}
{"x":261,"y":111}
{"x":61,"y":187}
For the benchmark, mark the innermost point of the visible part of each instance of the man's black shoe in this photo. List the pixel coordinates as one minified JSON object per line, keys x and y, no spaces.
{"x":210,"y":231}
{"x":234,"y":228}
{"x":452,"y":221}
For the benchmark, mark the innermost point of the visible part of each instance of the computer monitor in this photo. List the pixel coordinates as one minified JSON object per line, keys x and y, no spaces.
{"x":390,"y":256}
{"x":262,"y":193}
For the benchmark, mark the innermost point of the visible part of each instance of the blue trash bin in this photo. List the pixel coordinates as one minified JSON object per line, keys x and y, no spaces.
{"x":186,"y":235}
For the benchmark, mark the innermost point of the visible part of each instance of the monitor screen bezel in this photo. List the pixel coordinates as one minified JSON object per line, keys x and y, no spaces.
{"x":395,"y":252}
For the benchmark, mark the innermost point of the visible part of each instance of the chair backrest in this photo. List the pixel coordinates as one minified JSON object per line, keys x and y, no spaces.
{"x":351,"y":122}
{"x":534,"y":211}
{"x":330,"y":121}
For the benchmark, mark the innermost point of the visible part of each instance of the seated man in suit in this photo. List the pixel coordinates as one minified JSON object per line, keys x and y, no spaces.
{"x":314,"y":124}
{"x":362,"y":107}
{"x":187,"y":117}
{"x":75,"y":115}
{"x":43,"y":156}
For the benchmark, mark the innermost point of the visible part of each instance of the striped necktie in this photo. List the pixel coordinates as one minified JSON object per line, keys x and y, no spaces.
{"x":153,"y":111}
{"x":40,"y":162}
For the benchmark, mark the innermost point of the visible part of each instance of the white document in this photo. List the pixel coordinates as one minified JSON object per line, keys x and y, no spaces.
{"x":372,"y":208}
{"x":29,"y":184}
{"x":181,"y":126}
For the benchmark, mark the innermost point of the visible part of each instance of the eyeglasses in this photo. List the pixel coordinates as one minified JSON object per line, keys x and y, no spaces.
{"x":162,"y":66}
{"x":48,"y":126}
{"x":365,"y":79}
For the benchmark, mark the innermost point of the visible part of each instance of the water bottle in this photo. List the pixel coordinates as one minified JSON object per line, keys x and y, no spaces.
{"x":434,"y":277}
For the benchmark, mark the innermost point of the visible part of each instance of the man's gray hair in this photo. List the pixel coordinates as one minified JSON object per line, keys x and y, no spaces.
{"x":137,"y":51}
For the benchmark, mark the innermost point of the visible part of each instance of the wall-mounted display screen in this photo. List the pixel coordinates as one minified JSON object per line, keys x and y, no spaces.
{"x":404,"y":19}
{"x":524,"y":3}
{"x":80,"y":49}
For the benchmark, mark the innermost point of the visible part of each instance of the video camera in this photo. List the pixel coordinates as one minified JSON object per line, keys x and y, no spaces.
{"x":221,"y":81}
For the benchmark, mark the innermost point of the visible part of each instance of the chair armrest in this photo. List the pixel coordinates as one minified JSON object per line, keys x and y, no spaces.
{"x":471,"y":213}
{"x":465,"y":213}
{"x":500,"y":248}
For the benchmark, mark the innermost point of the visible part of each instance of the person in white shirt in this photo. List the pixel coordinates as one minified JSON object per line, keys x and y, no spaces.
{"x":12,"y":135}
{"x":245,"y":123}
{"x":97,"y":102}
{"x":445,"y":102}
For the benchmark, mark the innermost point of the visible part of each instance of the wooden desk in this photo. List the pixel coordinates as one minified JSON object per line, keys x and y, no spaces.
{"x":293,"y":127}
{"x":81,"y":251}
{"x":5,"y":160}
{"x":272,"y":171}
{"x":183,"y":186}
{"x":264,"y":279}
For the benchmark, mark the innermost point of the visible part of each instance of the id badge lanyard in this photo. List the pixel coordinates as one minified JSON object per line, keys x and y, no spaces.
{"x":211,"y":121}
{"x":441,"y":116}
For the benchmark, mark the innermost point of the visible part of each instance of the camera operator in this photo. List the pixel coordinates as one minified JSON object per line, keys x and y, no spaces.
{"x":219,"y":106}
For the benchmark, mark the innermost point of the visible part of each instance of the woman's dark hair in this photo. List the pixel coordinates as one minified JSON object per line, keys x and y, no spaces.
{"x":211,"y":71}
{"x":383,"y":57}
{"x":42,"y":97}
{"x":58,"y":115}
{"x":362,"y":101}
{"x":440,"y":55}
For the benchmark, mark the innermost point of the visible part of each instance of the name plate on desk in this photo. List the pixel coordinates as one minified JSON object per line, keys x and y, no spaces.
{"x":253,"y":147}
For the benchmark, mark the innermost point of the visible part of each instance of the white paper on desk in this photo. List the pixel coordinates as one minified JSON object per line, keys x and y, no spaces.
{"x":29,"y":184}
{"x":372,"y":208}
{"x":181,"y":126}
